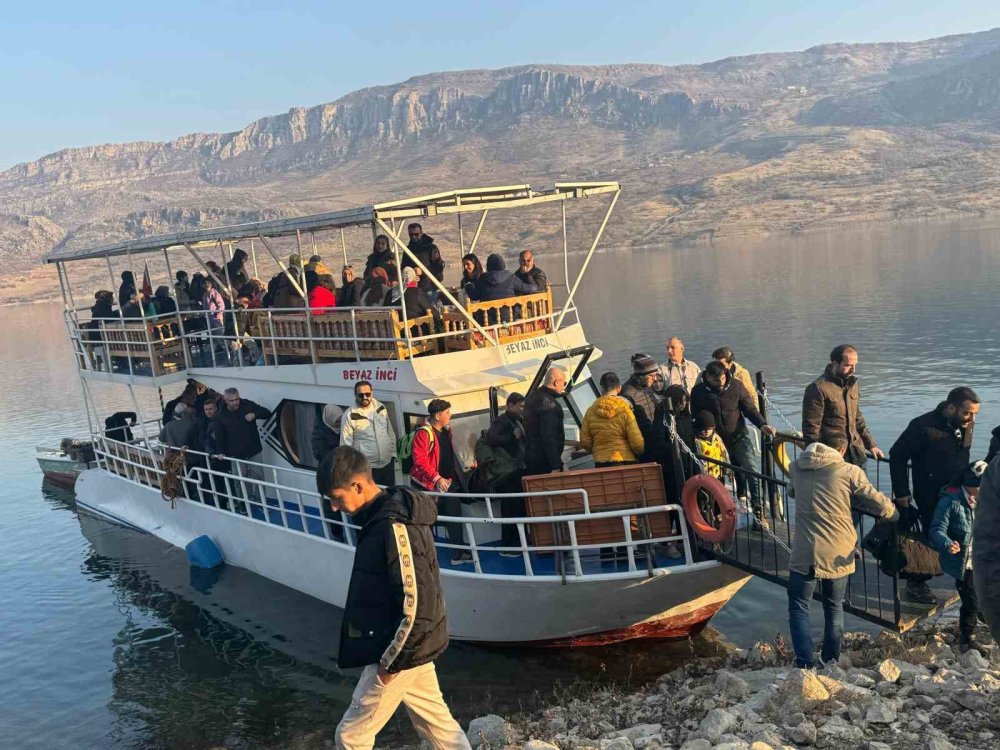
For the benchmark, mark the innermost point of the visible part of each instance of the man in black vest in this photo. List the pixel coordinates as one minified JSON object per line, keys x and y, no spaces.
{"x":394,"y":619}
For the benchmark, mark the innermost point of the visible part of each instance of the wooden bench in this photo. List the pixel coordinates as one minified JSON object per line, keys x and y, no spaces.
{"x":121,"y":460}
{"x":333,"y":335}
{"x":136,"y":340}
{"x":511,"y":316}
{"x":614,"y":488}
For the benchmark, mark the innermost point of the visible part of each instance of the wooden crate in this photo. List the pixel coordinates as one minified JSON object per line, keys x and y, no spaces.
{"x":613,"y":488}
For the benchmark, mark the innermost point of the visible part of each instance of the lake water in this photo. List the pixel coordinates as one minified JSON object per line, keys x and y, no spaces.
{"x":109,"y":642}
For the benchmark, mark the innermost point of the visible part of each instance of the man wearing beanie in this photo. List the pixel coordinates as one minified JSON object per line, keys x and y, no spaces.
{"x":951,"y":535}
{"x":638,"y":389}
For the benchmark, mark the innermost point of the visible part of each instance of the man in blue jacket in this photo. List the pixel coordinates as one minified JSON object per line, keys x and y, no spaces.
{"x":394,"y":619}
{"x":950,"y":534}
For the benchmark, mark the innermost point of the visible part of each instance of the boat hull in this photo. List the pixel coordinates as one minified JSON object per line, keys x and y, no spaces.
{"x":62,"y":471}
{"x":511,"y":610}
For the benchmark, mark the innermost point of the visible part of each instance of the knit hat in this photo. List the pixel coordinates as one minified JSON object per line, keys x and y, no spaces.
{"x":643,"y":364}
{"x":972,"y":475}
{"x":331,"y":413}
{"x":704,"y":420}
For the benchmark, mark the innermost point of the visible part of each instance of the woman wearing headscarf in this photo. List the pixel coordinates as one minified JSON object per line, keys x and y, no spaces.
{"x":381,"y":257}
{"x":378,"y":289}
{"x":350,"y":292}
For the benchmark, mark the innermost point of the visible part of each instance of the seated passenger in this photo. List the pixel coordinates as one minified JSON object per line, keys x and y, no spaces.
{"x":162,"y":302}
{"x":529,"y":273}
{"x":381,"y":257}
{"x":350,"y":292}
{"x":182,"y":291}
{"x":497,"y":283}
{"x":321,"y":298}
{"x":472,"y":269}
{"x":138,"y":307}
{"x":104,"y":306}
{"x":316,"y":264}
{"x":378,"y":289}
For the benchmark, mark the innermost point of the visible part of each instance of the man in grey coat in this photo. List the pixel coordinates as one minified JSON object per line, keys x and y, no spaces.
{"x":826,"y":489}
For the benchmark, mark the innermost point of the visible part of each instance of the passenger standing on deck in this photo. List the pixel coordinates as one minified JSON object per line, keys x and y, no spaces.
{"x":529,"y":273}
{"x":725,"y":355}
{"x":826,"y":489}
{"x":236,"y":271}
{"x":394,"y":619}
{"x":436,"y":469}
{"x":326,"y":431}
{"x":638,"y":391}
{"x":610,"y":431}
{"x":951,"y":535}
{"x":677,"y":370}
{"x":182,"y":291}
{"x":544,"y":428}
{"x":831,"y":407}
{"x":381,"y":257}
{"x":728,"y":402}
{"x":368,"y":427}
{"x":239,"y":436}
{"x":506,"y":434}
{"x":708,"y":444}
{"x":422,"y":245}
{"x":985,"y":543}
{"x":937,"y":447}
{"x":127,"y":289}
{"x":179,"y":431}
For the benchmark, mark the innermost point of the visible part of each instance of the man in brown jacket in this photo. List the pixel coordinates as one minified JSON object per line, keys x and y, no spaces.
{"x":830,"y":408}
{"x":826,"y":489}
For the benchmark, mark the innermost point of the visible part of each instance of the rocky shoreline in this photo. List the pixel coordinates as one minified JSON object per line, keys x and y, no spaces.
{"x":914,"y":691}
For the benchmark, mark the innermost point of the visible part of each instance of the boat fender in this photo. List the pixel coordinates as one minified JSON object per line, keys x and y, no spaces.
{"x":727,"y":507}
{"x":780,"y":455}
{"x":202,"y":552}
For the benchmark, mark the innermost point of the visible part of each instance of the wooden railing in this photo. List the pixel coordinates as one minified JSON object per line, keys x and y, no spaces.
{"x":509,"y":319}
{"x":156,"y":342}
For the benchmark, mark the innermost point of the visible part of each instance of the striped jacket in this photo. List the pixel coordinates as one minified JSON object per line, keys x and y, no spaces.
{"x":395,"y":613}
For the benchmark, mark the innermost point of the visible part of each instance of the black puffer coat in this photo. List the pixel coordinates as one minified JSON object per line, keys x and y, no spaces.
{"x":395,"y":612}
{"x":544,"y":431}
{"x":240,"y":438}
{"x":938,"y":451}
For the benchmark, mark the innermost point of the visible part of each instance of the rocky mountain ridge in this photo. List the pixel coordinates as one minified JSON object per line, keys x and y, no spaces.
{"x":762,"y":143}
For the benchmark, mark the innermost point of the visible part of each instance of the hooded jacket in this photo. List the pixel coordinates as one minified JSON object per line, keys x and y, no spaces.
{"x":498,"y":283}
{"x":729,"y":405}
{"x":830,"y":408}
{"x":395,"y":610}
{"x":953,"y":521}
{"x":326,"y":432}
{"x":826,"y":489}
{"x":428,"y":254}
{"x":179,"y":431}
{"x":938,"y":453}
{"x":369,"y":430}
{"x":610,"y":431}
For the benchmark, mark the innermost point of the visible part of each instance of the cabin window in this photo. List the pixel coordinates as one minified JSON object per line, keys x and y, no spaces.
{"x":296,"y":422}
{"x":580,"y":398}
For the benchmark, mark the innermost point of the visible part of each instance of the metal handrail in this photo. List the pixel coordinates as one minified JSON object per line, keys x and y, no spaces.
{"x":109,"y":460}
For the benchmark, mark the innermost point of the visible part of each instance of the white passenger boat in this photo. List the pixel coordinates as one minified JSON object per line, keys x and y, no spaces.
{"x":559,"y":589}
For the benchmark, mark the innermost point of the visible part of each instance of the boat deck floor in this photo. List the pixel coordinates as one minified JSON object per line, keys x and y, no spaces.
{"x":869,"y":590}
{"x":491,"y":563}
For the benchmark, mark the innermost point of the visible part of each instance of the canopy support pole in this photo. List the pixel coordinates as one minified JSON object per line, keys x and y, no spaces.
{"x":479,"y":228}
{"x":284,"y":268}
{"x":590,"y":254}
{"x":343,"y":245}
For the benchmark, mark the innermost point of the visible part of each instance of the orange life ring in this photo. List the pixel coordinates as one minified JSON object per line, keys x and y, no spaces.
{"x":717,"y":491}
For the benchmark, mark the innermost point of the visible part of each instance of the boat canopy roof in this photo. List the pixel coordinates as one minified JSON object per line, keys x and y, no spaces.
{"x":452,"y":202}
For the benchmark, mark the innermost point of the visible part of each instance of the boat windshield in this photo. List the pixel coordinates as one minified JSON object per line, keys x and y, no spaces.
{"x":580,"y":397}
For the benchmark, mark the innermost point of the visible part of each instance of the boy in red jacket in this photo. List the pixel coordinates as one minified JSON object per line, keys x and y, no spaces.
{"x":436,"y":469}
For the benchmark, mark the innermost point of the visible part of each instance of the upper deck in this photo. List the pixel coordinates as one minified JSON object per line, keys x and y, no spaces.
{"x":166,"y":348}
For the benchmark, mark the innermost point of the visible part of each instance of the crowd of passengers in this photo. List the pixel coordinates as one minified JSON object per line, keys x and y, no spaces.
{"x":381,"y":284}
{"x":704,"y":413}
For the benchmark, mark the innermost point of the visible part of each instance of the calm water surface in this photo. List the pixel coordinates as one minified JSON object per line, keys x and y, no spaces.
{"x":108,"y":640}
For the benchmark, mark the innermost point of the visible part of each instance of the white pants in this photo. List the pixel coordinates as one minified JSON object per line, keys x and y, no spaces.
{"x":373,"y":704}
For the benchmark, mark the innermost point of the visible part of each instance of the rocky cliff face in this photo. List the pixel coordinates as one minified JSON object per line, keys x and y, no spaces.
{"x":759,"y":143}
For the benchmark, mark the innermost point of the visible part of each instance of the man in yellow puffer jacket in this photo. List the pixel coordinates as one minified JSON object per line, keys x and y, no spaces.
{"x":610,"y":431}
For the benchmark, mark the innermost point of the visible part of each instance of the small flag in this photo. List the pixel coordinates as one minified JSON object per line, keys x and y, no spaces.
{"x":147,"y":287}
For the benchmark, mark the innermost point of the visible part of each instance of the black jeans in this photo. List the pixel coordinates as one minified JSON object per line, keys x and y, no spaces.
{"x":969,"y":611}
{"x":510,"y":507}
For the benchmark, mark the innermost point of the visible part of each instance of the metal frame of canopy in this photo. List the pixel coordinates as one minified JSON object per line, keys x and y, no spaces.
{"x":382,"y":216}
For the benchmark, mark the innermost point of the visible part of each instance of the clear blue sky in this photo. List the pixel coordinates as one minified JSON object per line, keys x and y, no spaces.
{"x":81,"y":73}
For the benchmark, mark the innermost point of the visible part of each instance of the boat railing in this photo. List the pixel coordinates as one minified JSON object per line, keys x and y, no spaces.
{"x":174,"y":342}
{"x":243,"y":487}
